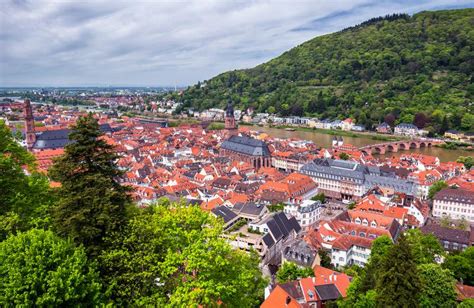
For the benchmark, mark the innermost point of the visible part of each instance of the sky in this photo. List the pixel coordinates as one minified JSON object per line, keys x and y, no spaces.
{"x":166,"y":43}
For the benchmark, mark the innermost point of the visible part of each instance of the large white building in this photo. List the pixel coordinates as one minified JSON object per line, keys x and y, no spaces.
{"x":348,"y":180}
{"x":306,"y":213}
{"x":454,"y":203}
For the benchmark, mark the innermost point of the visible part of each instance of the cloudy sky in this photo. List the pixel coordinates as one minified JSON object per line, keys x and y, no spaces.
{"x":153,"y":43}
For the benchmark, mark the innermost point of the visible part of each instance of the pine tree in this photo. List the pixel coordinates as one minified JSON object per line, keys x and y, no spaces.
{"x":398,"y":284}
{"x":92,"y":202}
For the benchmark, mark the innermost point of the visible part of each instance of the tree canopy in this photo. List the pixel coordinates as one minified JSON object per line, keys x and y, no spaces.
{"x":40,"y":269}
{"x":291,"y":271}
{"x":174,"y":255}
{"x":92,"y":201}
{"x":24,"y":200}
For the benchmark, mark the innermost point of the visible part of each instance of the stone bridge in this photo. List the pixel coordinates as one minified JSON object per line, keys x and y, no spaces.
{"x":395,"y":146}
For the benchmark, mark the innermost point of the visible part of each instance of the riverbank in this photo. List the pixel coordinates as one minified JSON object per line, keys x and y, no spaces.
{"x":334,"y":132}
{"x":454,"y":145}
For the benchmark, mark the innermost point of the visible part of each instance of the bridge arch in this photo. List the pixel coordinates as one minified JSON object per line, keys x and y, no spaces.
{"x":402,"y":146}
{"x":391,"y":148}
{"x":378,"y":150}
{"x":414,"y":145}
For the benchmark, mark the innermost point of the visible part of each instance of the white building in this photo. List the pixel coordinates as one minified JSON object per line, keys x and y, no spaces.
{"x":306,"y":213}
{"x":348,"y":250}
{"x":454,"y":203}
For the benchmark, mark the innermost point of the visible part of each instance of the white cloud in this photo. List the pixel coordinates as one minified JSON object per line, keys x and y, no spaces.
{"x":166,"y":42}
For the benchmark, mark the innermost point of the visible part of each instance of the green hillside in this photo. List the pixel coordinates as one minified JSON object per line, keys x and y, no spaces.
{"x":398,"y":68}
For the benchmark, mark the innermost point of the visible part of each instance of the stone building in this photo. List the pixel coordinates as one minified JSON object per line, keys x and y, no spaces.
{"x":247,"y":149}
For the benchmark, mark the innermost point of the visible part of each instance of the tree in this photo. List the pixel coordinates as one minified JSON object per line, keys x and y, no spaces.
{"x":25,"y":201}
{"x":398,"y":282}
{"x":92,"y":202}
{"x":420,"y":120}
{"x":355,"y":298}
{"x":444,"y":125}
{"x":468,"y":161}
{"x":319,"y":197}
{"x":290,"y":271}
{"x":174,"y":255}
{"x":467,"y":122}
{"x":467,"y":303}
{"x":425,"y":247}
{"x":40,"y":269}
{"x":435,"y":188}
{"x":437,"y":286}
{"x":462,"y":265}
{"x":344,"y":156}
{"x":379,"y":250}
{"x":325,"y":258}
{"x":390,"y":119}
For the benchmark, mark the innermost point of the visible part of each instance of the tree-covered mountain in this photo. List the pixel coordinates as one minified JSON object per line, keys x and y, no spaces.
{"x":397,"y":68}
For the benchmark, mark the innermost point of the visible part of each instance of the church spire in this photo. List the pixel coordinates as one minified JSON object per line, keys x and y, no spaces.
{"x":230,"y":126}
{"x":29,"y":125}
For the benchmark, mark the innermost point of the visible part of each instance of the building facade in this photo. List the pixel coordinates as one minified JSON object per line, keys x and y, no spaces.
{"x":454,"y":203}
{"x":348,"y":180}
{"x":247,"y":149}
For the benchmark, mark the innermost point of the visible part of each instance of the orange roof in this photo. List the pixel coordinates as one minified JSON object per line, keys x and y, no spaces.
{"x":324,"y":275}
{"x":279,"y":298}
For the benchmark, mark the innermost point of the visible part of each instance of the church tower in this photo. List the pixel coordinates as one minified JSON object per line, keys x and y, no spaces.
{"x":29,"y":125}
{"x":230,"y":126}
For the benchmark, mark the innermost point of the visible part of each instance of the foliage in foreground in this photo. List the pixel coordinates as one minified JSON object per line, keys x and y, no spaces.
{"x":175,"y":256}
{"x":92,"y":201}
{"x":24,"y":200}
{"x":40,"y":269}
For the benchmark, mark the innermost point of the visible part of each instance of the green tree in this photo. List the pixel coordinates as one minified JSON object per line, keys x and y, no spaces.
{"x":468,"y":161}
{"x":358,"y":299}
{"x":319,"y":197}
{"x":92,"y":202}
{"x":40,"y":269}
{"x":379,"y":250}
{"x":290,"y":271}
{"x":25,"y":201}
{"x":437,"y":286}
{"x":344,"y":156}
{"x":425,"y":247}
{"x":174,"y":255}
{"x":467,"y":122}
{"x":325,"y":258}
{"x":467,"y":303}
{"x":462,"y":265}
{"x":436,"y":187}
{"x":398,"y":283}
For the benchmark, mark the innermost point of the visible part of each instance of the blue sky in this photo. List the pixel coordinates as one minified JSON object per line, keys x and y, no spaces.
{"x":153,"y":43}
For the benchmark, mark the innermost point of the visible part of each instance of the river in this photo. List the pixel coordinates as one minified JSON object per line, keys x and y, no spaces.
{"x":325,"y":141}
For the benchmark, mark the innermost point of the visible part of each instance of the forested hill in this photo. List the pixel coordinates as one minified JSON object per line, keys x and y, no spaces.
{"x":388,"y":68}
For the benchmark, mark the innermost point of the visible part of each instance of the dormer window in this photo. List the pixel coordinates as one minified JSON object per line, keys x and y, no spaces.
{"x":365,"y":222}
{"x":357,"y":220}
{"x":373,"y":224}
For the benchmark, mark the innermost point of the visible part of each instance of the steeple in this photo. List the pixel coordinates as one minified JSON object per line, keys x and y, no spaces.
{"x":29,"y":125}
{"x":230,"y":126}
